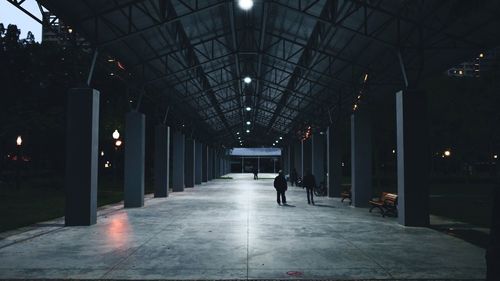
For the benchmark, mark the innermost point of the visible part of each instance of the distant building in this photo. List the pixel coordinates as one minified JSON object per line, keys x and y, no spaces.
{"x":55,"y":30}
{"x":483,"y":62}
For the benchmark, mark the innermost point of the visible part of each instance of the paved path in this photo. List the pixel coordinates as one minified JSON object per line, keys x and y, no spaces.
{"x":233,"y":229}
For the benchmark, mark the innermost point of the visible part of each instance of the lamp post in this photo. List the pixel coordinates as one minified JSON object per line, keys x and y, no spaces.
{"x":19,"y":142}
{"x":118,"y":143}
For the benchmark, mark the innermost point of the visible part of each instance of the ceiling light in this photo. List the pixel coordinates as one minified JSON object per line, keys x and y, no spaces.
{"x":248,"y":131}
{"x":247,"y":80}
{"x":274,"y":144}
{"x":281,"y":138}
{"x":248,"y":108}
{"x":245,"y":4}
{"x":248,"y":123}
{"x":237,"y":133}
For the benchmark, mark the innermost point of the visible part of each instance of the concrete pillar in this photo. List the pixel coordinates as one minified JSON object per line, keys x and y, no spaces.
{"x":306,"y":156}
{"x":297,"y":155}
{"x":334,"y":149}
{"x":210,"y":163}
{"x":361,"y":153}
{"x":189,"y":172}
{"x":287,"y":160}
{"x":216,"y":164}
{"x":82,"y":140}
{"x":162,"y":160}
{"x":135,"y":141}
{"x":318,"y":157}
{"x":178,"y":162}
{"x":204,"y":163}
{"x":198,"y":162}
{"x":412,"y":158}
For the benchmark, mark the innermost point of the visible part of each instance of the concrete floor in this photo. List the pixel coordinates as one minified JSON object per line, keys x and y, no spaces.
{"x":233,"y":229}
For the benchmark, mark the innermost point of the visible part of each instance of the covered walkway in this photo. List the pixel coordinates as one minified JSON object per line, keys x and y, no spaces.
{"x":233,"y":229}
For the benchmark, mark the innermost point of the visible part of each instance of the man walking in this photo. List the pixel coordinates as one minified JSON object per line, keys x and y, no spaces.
{"x":293,"y":177}
{"x":280,"y":186}
{"x":309,"y":183}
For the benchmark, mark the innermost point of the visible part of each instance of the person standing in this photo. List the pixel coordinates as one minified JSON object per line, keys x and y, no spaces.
{"x":255,"y":174}
{"x":309,"y":183}
{"x":280,"y":186}
{"x":293,"y":177}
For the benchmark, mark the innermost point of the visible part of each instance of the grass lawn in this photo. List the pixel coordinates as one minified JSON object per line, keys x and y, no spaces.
{"x":458,"y":199}
{"x":38,"y":201}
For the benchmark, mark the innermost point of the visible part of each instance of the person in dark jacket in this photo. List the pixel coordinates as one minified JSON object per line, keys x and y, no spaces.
{"x":293,"y":177}
{"x":280,"y":186}
{"x":255,"y":174}
{"x":309,"y":183}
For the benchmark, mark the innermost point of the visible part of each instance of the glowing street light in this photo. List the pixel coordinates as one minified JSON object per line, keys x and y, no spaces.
{"x":248,"y":108}
{"x":447,"y":153}
{"x":281,"y":138}
{"x":116,"y":135}
{"x":118,"y":143}
{"x":245,"y":4}
{"x":247,"y":80}
{"x":19,"y":142}
{"x":495,"y":156}
{"x":248,"y":123}
{"x":248,"y":131}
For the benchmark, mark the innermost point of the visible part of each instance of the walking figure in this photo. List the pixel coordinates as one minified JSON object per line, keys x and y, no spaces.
{"x":280,"y":186}
{"x":293,"y":177}
{"x":255,"y":174}
{"x":309,"y":183}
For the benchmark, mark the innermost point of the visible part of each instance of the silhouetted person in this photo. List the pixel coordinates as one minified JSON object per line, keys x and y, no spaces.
{"x":280,"y":186}
{"x":255,"y":174}
{"x":309,"y":183}
{"x":293,"y":177}
{"x":493,"y":250}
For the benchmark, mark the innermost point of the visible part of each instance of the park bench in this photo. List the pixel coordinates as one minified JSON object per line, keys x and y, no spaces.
{"x":387,"y":203}
{"x":346,"y":194}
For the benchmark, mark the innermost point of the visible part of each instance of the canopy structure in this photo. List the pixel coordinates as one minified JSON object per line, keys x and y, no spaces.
{"x":310,"y":61}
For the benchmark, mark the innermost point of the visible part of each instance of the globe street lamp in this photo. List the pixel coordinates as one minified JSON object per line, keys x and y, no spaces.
{"x":118,"y":143}
{"x":116,"y":135}
{"x":19,"y":143}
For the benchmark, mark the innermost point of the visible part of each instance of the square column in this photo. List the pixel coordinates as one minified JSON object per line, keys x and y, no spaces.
{"x":189,"y":172}
{"x":210,"y":163}
{"x":334,"y":149}
{"x":297,"y":155}
{"x":306,"y":156}
{"x":318,"y":157}
{"x":161,"y":160}
{"x":204,"y":163}
{"x":361,"y":153}
{"x":178,"y":162}
{"x":197,"y":165}
{"x":216,"y":164}
{"x":412,"y":158}
{"x":82,"y":140}
{"x":135,"y":141}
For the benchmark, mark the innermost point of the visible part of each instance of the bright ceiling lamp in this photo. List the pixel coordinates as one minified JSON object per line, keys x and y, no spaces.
{"x":248,"y":108}
{"x":245,"y":4}
{"x":247,"y":80}
{"x":248,"y":131}
{"x":248,"y":123}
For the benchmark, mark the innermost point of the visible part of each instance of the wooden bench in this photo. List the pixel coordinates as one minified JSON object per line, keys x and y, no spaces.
{"x":346,"y":195}
{"x":387,"y":203}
